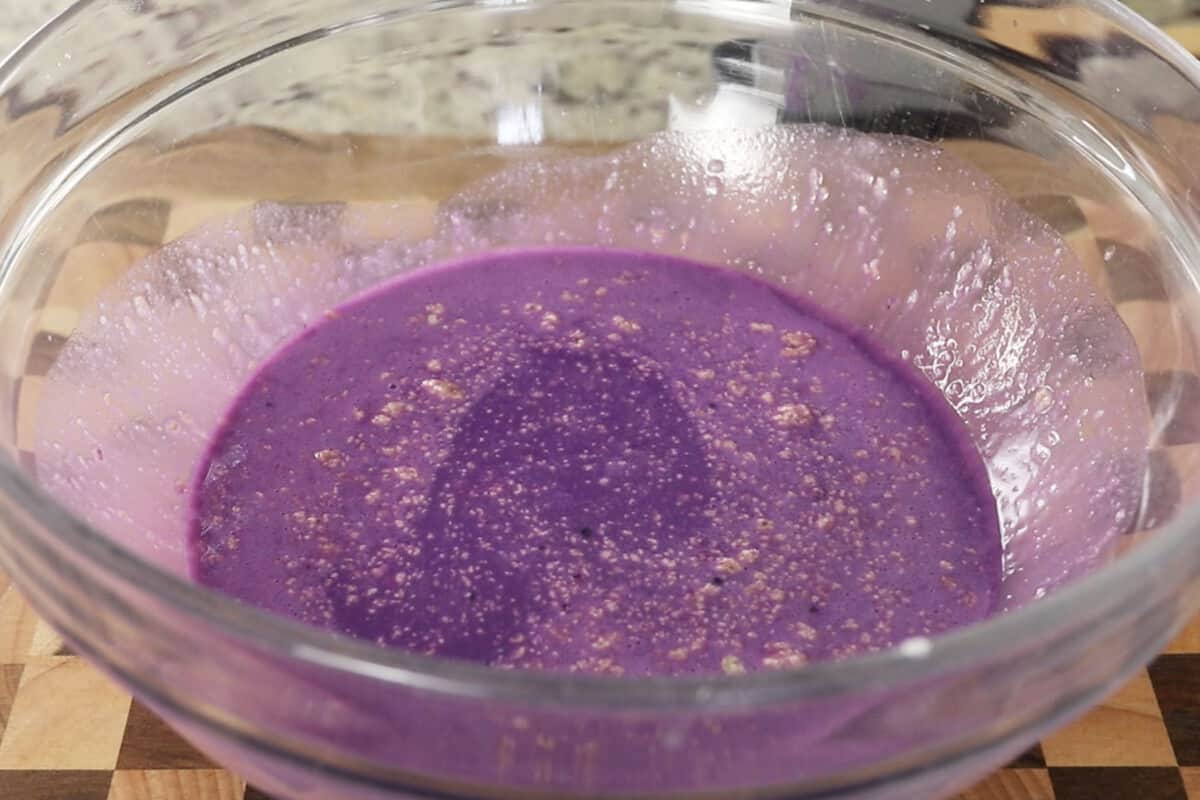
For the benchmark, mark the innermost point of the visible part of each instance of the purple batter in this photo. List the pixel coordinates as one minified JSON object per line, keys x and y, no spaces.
{"x":598,"y":461}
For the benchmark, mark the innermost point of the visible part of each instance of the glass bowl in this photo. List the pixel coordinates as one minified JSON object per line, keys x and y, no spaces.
{"x":128,"y":124}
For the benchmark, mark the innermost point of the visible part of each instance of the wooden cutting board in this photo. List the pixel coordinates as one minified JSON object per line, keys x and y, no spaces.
{"x":68,"y":733}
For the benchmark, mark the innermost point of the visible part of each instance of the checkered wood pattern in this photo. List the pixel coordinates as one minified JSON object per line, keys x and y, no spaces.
{"x":1143,"y":743}
{"x":67,"y":733}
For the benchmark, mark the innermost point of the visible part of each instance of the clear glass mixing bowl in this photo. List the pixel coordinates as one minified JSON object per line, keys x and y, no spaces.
{"x":126,"y":124}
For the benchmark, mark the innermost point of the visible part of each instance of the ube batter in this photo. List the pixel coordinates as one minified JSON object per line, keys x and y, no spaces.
{"x":598,"y":461}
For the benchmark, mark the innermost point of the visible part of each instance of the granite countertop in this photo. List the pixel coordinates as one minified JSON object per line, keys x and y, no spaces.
{"x":23,"y":17}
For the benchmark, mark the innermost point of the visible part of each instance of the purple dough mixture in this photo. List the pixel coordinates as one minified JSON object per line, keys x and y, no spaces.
{"x":598,"y":461}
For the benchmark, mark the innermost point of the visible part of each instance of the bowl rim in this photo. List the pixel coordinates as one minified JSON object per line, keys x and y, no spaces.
{"x":1013,"y":631}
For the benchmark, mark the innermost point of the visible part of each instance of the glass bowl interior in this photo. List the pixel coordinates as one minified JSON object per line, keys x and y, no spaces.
{"x":381,"y":117}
